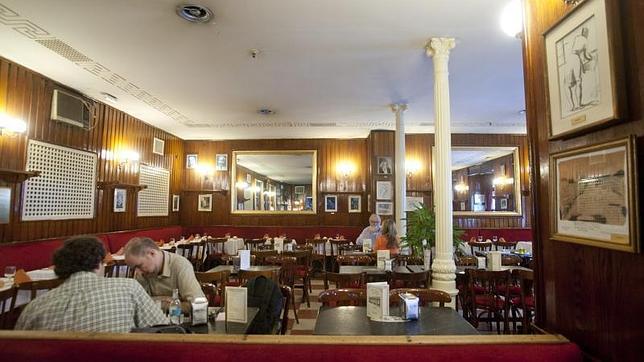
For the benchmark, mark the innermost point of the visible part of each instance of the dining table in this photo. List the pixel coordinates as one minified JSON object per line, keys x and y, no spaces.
{"x":353,"y":321}
{"x":220,"y":326}
{"x":234,"y":270}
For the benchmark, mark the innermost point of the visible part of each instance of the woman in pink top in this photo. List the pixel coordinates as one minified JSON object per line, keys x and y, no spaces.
{"x":388,"y":238}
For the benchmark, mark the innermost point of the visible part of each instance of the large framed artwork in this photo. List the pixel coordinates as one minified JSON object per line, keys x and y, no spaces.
{"x":581,"y":62}
{"x":594,"y":195}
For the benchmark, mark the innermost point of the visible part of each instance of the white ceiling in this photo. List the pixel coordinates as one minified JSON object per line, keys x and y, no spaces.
{"x":327,"y":68}
{"x":467,"y":156}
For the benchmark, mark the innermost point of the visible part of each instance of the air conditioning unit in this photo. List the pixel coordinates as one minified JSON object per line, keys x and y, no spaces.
{"x":70,"y":108}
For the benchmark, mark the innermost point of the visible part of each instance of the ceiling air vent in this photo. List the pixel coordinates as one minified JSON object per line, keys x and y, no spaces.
{"x":194,"y":13}
{"x":265,"y":111}
{"x":70,"y":108}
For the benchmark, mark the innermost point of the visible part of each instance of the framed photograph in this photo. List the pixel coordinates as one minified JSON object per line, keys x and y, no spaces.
{"x":369,"y":203}
{"x":120,"y":199}
{"x":384,"y":190}
{"x":175,"y":202}
{"x":299,"y":189}
{"x":221,"y":162}
{"x":503,"y":204}
{"x":158,"y":146}
{"x":385,"y":165}
{"x":594,"y":196}
{"x":191,"y":161}
{"x":355,"y":202}
{"x":330,"y":203}
{"x":413,"y":202}
{"x":384,"y":208}
{"x":205,"y":202}
{"x":5,"y":204}
{"x":581,"y":69}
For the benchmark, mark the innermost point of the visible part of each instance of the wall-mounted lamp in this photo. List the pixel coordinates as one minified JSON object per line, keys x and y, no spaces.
{"x":126,"y":157}
{"x":502,"y":180}
{"x":412,"y":167}
{"x":11,"y":126}
{"x":242,"y":185}
{"x":205,"y":169}
{"x":512,"y":18}
{"x":345,"y":169}
{"x":461,"y":187}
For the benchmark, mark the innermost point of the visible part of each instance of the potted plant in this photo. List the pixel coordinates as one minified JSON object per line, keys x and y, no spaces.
{"x":421,"y":231}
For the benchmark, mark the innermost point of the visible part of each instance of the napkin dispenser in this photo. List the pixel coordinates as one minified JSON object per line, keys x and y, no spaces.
{"x":408,"y":306}
{"x":494,"y":260}
{"x":199,"y":311}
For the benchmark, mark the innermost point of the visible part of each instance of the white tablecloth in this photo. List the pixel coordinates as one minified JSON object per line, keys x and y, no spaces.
{"x":232,"y":245}
{"x":526,"y":245}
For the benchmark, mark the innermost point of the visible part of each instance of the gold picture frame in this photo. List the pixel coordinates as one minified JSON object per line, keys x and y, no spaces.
{"x":594,"y":196}
{"x":582,"y":68}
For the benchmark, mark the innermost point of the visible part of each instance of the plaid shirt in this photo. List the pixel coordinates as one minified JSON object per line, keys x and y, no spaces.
{"x":88,"y":302}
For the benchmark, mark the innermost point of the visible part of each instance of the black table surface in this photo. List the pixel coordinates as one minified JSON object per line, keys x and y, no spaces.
{"x":223,"y":327}
{"x":353,"y":321}
{"x":372,"y":269}
{"x":233,"y":271}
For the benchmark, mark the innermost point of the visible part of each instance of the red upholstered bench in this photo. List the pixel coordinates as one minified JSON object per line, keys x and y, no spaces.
{"x":70,"y":347}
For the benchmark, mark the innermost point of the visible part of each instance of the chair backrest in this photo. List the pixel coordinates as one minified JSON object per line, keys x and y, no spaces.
{"x":220,"y":277}
{"x":215,"y":246}
{"x":185,"y":250}
{"x":286,"y":294}
{"x":288,"y":265}
{"x":505,"y":245}
{"x":511,"y":260}
{"x":118,"y":269}
{"x":345,"y":280}
{"x":254,"y":244}
{"x":303,"y":257}
{"x":410,"y":280}
{"x":467,"y":260}
{"x":487,"y":282}
{"x":480,"y":245}
{"x":35,"y":285}
{"x":425,"y":296}
{"x":247,"y":275}
{"x":343,"y":297}
{"x":526,"y":281}
{"x":409,"y":260}
{"x":354,"y":260}
{"x":260,"y":255}
{"x":6,"y":307}
{"x":265,"y":294}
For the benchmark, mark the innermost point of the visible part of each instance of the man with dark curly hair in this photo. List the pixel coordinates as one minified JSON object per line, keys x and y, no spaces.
{"x":87,"y":301}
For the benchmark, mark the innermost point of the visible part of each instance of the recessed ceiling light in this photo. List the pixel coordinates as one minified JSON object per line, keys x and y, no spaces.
{"x":265,"y":111}
{"x":194,"y":13}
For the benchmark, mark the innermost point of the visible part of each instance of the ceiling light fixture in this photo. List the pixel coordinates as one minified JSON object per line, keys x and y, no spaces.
{"x":266,"y":111}
{"x":512,"y":18}
{"x":194,"y":13}
{"x":109,"y":97}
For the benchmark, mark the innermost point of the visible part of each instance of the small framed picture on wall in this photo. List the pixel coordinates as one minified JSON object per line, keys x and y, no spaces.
{"x":355,"y":202}
{"x":120,"y":199}
{"x":221,"y":163}
{"x":205,"y":202}
{"x":330,"y":203}
{"x":175,"y":203}
{"x":158,"y":146}
{"x":384,"y":208}
{"x":191,"y":161}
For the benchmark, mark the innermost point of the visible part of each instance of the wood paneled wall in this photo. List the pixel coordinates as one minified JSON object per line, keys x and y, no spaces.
{"x":591,"y":295}
{"x":330,"y":153}
{"x":27,"y":95}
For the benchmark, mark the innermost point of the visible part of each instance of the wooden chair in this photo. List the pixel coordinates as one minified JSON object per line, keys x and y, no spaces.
{"x":467,"y":260}
{"x":301,"y":272}
{"x":511,"y":260}
{"x":261,"y":255}
{"x":229,"y":259}
{"x":487,"y":291}
{"x":410,"y":280}
{"x":425,"y":296}
{"x":213,"y":285}
{"x":36,"y":285}
{"x":503,"y":245}
{"x":7,"y":298}
{"x":193,"y":252}
{"x":318,"y":254}
{"x":354,"y":260}
{"x":254,"y":244}
{"x":118,"y":269}
{"x":345,"y":280}
{"x":288,"y":267}
{"x":287,"y":293}
{"x":246,"y":275}
{"x":343,"y":297}
{"x":404,"y":260}
{"x":525,"y":302}
{"x":479,"y":245}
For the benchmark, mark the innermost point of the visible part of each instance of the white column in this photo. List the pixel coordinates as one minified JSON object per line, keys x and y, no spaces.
{"x":443,"y":267}
{"x":401,"y":185}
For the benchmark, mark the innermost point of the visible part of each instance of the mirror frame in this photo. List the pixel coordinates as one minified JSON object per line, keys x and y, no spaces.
{"x":233,"y":178}
{"x":517,"y":185}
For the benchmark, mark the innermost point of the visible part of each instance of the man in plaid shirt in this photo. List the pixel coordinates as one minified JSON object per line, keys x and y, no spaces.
{"x":87,"y":301}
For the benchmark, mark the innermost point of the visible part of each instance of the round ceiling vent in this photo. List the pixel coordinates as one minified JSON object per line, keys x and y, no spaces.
{"x":194,"y":13}
{"x":265,"y":111}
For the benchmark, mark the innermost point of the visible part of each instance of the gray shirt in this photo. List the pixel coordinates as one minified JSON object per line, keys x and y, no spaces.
{"x":368,"y":233}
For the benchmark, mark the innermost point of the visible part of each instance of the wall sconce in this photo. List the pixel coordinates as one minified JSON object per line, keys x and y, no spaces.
{"x":461,"y":187}
{"x":126,"y":157}
{"x":204,"y":169}
{"x":502,"y":180}
{"x":345,"y":169}
{"x":512,"y":18}
{"x":11,"y":126}
{"x":412,"y":167}
{"x":242,"y":185}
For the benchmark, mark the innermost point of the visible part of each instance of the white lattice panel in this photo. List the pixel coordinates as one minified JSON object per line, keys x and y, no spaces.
{"x":153,"y":201}
{"x":66,"y":186}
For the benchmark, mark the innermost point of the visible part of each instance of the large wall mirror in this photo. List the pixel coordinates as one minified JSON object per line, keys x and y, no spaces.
{"x":486,"y":180}
{"x":274,"y":182}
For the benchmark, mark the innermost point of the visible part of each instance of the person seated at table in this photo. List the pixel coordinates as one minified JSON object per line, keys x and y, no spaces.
{"x":86,"y":301}
{"x":388,"y":238}
{"x":160,"y":272}
{"x":371,"y":232}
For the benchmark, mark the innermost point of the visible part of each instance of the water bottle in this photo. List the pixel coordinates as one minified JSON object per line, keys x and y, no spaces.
{"x":174,"y":312}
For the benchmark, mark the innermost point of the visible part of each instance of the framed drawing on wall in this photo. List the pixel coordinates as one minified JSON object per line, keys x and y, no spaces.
{"x":330,"y":203}
{"x":205,"y":202}
{"x":355,"y":202}
{"x":385,"y":165}
{"x":158,"y":146}
{"x":175,"y":202}
{"x":299,"y":190}
{"x":120,"y":199}
{"x":384,"y":190}
{"x":581,"y":58}
{"x":191,"y":161}
{"x":384,"y":208}
{"x":221,"y":162}
{"x":413,"y":202}
{"x":594,"y":196}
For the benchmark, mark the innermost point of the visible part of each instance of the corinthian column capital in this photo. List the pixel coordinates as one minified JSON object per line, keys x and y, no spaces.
{"x":439,"y":46}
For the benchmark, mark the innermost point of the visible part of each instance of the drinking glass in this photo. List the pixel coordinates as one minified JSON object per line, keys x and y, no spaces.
{"x":479,"y":238}
{"x":495,"y":238}
{"x":10,"y":272}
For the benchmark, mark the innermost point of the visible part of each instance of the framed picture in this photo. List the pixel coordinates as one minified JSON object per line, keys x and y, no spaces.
{"x":384,"y":190}
{"x":580,"y":61}
{"x":120,"y":199}
{"x":158,"y":146}
{"x":221,"y":162}
{"x":205,"y":202}
{"x":385,"y":165}
{"x":299,"y":189}
{"x":594,"y":196}
{"x":503,"y":204}
{"x":175,"y":202}
{"x":191,"y":161}
{"x":413,"y":202}
{"x":369,"y":203}
{"x":355,"y":202}
{"x":5,"y":204}
{"x":384,"y":208}
{"x":330,"y":203}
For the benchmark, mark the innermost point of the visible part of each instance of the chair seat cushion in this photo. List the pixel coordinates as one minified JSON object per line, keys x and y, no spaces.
{"x":529,"y":301}
{"x":489,"y":301}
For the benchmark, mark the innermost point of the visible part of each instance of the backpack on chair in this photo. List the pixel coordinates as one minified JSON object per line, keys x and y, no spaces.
{"x":265,"y":294}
